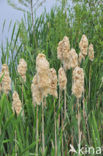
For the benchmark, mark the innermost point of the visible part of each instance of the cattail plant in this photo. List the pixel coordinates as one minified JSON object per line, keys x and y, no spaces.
{"x":81,"y":57}
{"x":22,"y":68}
{"x":62,"y":86}
{"x":91,"y":52}
{"x":5,"y":85}
{"x":77,"y":90}
{"x":43,"y":79}
{"x":73,"y":58}
{"x":37,"y":99}
{"x":53,"y":92}
{"x":83,"y":45}
{"x":63,"y":53}
{"x":17,"y":108}
{"x":91,"y":58}
{"x":16,"y":104}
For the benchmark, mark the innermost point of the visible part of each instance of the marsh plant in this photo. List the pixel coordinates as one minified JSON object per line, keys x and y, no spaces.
{"x":51,"y":84}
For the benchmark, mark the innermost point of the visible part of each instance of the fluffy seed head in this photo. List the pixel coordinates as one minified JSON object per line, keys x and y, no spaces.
{"x":91,"y":52}
{"x":22,"y":67}
{"x":5,"y":68}
{"x":66,"y":64}
{"x":16,"y":104}
{"x":81,"y":57}
{"x":5,"y":85}
{"x":41,"y":63}
{"x":78,"y":82}
{"x":36,"y":92}
{"x":43,"y":79}
{"x":53,"y":84}
{"x":73,"y":58}
{"x":63,"y":48}
{"x":62,"y":79}
{"x":83,"y":45}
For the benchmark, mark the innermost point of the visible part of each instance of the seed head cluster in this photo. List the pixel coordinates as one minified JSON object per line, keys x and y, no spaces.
{"x":91,"y":52}
{"x":5,"y":85}
{"x":43,"y":79}
{"x":81,"y":57}
{"x":22,"y":67}
{"x":73,"y":58}
{"x":63,"y":48}
{"x":83,"y":45}
{"x":36,"y":92}
{"x":16,"y":104}
{"x":53,"y":84}
{"x":62,"y":79}
{"x":69,"y":58}
{"x":78,"y":82}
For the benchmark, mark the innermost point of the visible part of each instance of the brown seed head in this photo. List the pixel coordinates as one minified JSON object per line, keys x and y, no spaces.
{"x":73,"y":58}
{"x":6,"y":80}
{"x":78,"y":82}
{"x":43,"y":79}
{"x":16,"y":104}
{"x":91,"y":52}
{"x":83,"y":45}
{"x":22,"y":67}
{"x":81,"y":57}
{"x":36,"y":92}
{"x":62,"y":79}
{"x":63,"y":48}
{"x":41,"y":63}
{"x":53,"y":84}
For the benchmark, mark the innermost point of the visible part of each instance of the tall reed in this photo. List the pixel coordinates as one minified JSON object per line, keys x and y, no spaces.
{"x":77,"y":90}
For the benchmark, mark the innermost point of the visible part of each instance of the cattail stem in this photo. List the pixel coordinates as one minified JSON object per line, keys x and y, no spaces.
{"x":89,"y":82}
{"x":79,"y":119}
{"x":62,"y":131}
{"x":15,"y":145}
{"x":64,"y":99}
{"x":43,"y":139}
{"x":55,"y":130}
{"x":64,"y":104}
{"x":37,"y":131}
{"x":22,"y":93}
{"x":59,"y":108}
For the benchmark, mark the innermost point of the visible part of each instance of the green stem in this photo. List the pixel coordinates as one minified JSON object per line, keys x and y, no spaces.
{"x":55,"y":131}
{"x":62,"y":131}
{"x":64,"y":104}
{"x":79,"y":119}
{"x":59,"y":108}
{"x":37,"y":131}
{"x":43,"y":139}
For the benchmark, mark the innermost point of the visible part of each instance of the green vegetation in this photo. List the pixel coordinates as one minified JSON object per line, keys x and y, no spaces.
{"x":42,"y":35}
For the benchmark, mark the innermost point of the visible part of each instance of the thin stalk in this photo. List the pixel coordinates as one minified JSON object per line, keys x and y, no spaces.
{"x":64,"y":104}
{"x":37,"y":131}
{"x":22,"y":93}
{"x":55,"y":131}
{"x":89,"y":82}
{"x":62,"y":132}
{"x":59,"y":108}
{"x":79,"y":119}
{"x":15,"y":145}
{"x":43,"y":139}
